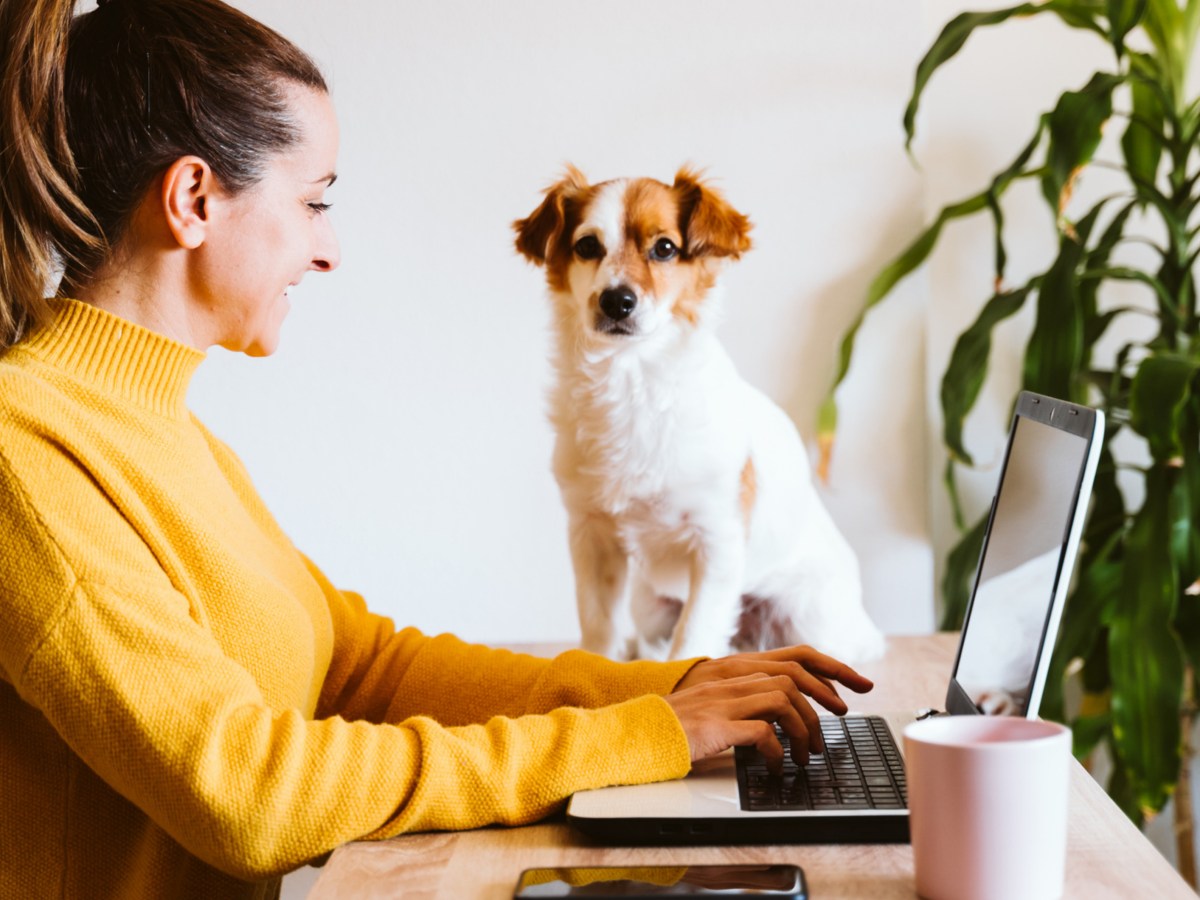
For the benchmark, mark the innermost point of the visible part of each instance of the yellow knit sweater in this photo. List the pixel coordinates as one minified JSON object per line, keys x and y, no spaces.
{"x":189,"y":709}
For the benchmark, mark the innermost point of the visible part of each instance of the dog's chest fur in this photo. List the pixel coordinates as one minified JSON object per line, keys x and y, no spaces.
{"x":636,"y":442}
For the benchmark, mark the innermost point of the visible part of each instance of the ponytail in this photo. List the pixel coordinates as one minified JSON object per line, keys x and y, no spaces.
{"x":40,"y":211}
{"x":93,"y":108}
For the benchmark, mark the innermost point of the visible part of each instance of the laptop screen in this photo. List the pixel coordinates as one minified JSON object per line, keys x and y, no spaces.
{"x":1022,"y":557}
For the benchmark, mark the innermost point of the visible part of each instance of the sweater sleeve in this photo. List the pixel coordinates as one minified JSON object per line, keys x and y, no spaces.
{"x":106,"y":648}
{"x":384,"y":675}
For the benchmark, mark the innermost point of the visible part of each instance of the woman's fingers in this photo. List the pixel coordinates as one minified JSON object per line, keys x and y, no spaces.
{"x":819,"y":688}
{"x":814,"y":672}
{"x":780,"y":701}
{"x":735,"y":711}
{"x":837,"y":670}
{"x":760,"y":735}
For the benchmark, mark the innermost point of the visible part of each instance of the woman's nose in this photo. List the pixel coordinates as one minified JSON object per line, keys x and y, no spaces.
{"x":329,"y":254}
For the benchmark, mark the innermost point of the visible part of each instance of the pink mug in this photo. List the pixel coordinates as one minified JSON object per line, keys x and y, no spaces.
{"x":987,"y":798}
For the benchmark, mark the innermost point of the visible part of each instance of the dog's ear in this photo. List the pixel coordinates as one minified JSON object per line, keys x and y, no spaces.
{"x":543,"y":228}
{"x":710,"y":226}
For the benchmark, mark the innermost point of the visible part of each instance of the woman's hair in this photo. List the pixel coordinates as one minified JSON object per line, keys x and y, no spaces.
{"x":95,"y":107}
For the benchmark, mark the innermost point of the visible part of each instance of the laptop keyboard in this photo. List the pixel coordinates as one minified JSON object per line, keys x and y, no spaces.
{"x":860,"y":769}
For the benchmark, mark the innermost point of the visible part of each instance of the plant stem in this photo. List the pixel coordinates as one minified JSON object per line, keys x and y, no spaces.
{"x":1185,"y":837}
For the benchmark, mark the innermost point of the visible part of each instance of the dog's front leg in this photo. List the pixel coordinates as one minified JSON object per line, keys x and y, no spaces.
{"x":601,"y":585}
{"x":709,"y":619}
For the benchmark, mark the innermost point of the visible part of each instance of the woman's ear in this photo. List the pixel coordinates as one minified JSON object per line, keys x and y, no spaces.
{"x":542,"y":229}
{"x":711,"y":227}
{"x":188,"y":189}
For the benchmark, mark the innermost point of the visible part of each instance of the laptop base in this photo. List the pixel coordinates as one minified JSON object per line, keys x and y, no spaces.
{"x":891,"y":829}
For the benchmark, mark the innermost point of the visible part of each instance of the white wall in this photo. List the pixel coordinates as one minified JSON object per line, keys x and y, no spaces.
{"x":399,"y":434}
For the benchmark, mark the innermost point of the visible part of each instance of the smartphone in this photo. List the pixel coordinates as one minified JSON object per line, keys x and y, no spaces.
{"x":664,"y":881}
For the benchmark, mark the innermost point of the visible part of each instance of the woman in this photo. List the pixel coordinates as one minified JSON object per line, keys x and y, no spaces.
{"x":187,"y":706}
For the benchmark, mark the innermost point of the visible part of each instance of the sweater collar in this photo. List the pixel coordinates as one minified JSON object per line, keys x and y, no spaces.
{"x":117,"y":356}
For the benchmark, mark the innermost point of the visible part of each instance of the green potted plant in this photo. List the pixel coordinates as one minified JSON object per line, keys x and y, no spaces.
{"x":1131,"y":632}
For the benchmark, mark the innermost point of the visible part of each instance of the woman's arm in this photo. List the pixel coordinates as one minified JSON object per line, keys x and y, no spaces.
{"x":384,"y":675}
{"x":105,"y":647}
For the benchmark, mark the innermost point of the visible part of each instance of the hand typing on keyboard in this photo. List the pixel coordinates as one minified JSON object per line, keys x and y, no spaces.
{"x":736,"y":701}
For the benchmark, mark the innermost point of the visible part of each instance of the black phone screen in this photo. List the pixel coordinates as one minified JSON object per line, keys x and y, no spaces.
{"x":663,"y":881}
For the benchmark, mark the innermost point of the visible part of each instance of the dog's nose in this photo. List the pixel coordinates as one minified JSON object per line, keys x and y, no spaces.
{"x":617,"y":303}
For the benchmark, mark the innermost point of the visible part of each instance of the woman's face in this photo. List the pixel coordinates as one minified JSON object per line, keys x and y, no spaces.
{"x":272,"y":234}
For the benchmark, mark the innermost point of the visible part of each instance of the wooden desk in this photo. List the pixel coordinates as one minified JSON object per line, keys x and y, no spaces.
{"x":1106,"y":855}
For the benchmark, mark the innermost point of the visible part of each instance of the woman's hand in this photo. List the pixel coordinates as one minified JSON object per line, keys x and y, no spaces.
{"x":734,"y":701}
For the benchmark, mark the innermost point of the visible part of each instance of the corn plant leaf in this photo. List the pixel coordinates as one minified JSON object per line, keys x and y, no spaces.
{"x":1162,"y":21}
{"x":1096,"y":323}
{"x":951,"y":484}
{"x":1096,"y":677}
{"x":1091,"y":602}
{"x":1185,"y":517}
{"x":1157,"y":400}
{"x":1166,"y":303}
{"x":960,"y":575}
{"x":1188,"y":521}
{"x":1087,"y":732}
{"x":1189,"y":123}
{"x":908,"y":260}
{"x":1123,"y":15}
{"x":1143,"y":140}
{"x":1076,"y":13}
{"x":968,"y":365}
{"x":1145,"y":655}
{"x":1173,"y":216}
{"x":1074,"y":125}
{"x":880,"y":287}
{"x":1088,"y":607}
{"x":1121,"y":791}
{"x":1055,"y":354}
{"x":999,"y":252}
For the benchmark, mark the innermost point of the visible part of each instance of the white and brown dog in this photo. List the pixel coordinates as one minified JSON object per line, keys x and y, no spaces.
{"x":695,"y":528}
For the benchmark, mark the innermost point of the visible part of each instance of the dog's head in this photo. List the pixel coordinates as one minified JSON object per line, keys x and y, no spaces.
{"x":632,"y":255}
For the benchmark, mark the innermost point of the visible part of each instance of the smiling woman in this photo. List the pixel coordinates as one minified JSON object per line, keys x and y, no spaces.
{"x":186,"y":701}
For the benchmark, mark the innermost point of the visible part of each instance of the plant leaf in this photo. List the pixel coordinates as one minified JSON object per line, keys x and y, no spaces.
{"x":1145,"y":655}
{"x":1087,"y":732}
{"x":908,"y":260}
{"x":1185,"y":517}
{"x":1160,"y":392}
{"x":1096,"y":323}
{"x":1056,"y":353}
{"x":954,"y":35}
{"x":1088,"y":607}
{"x":1075,"y":124}
{"x":1142,"y":143}
{"x":1166,"y":306}
{"x":1090,"y":604}
{"x":1123,"y":15}
{"x":880,"y":287}
{"x":1121,"y":791}
{"x":960,"y":575}
{"x":967,"y":368}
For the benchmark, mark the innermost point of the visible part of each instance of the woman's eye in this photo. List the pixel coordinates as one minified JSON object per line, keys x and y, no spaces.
{"x":664,"y":249}
{"x":320,"y":207}
{"x":588,"y":247}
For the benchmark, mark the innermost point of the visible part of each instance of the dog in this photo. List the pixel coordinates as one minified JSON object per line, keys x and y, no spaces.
{"x":694,"y":525}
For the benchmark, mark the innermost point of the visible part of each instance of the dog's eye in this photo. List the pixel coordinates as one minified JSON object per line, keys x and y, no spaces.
{"x":664,"y":249}
{"x":587,"y":247}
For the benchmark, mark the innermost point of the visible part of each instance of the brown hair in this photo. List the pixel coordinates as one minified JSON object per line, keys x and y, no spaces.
{"x":93,"y":108}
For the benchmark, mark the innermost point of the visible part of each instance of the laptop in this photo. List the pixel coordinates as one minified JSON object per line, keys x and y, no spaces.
{"x":1021,"y":583}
